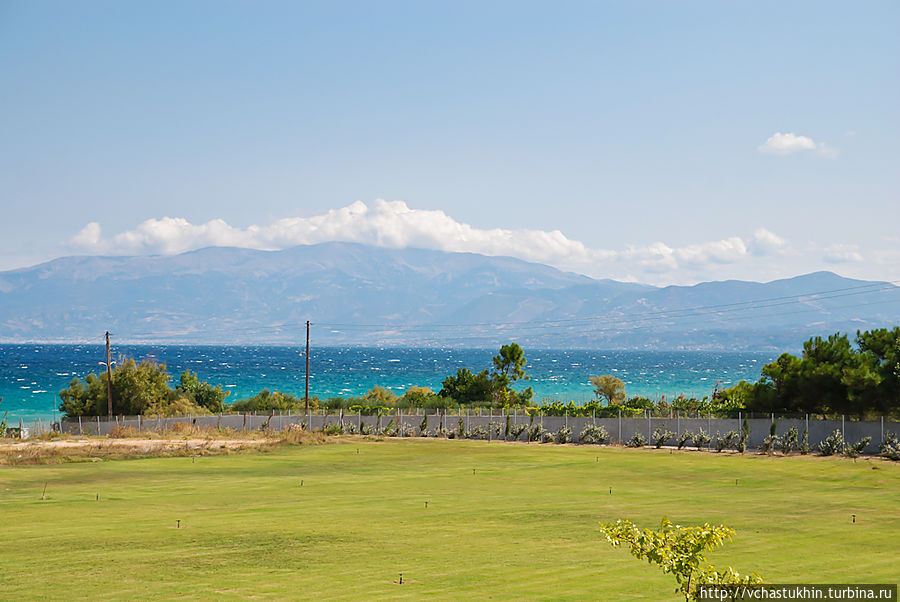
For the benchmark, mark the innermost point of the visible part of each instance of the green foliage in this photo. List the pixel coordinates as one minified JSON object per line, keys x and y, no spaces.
{"x":511,"y":362}
{"x":683,"y":438}
{"x":725,"y":442}
{"x":890,"y":448}
{"x":136,"y":389}
{"x":267,"y":401}
{"x":515,"y":431}
{"x":563,"y":435}
{"x":592,"y":434}
{"x":379,"y":396}
{"x":637,"y":440}
{"x":803,"y":446}
{"x":790,"y":441}
{"x":831,"y":376}
{"x":700,"y":438}
{"x":334,"y":428}
{"x":535,"y":432}
{"x":491,"y":388}
{"x":769,"y":444}
{"x":202,"y":393}
{"x":610,"y":388}
{"x":661,"y":437}
{"x":833,"y":444}
{"x":853,"y":451}
{"x":679,"y":551}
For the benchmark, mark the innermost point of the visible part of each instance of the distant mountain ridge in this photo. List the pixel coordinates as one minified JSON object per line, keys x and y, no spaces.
{"x":361,"y":295}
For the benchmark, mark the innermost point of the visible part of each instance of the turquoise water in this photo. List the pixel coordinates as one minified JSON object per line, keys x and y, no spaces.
{"x":32,"y":375}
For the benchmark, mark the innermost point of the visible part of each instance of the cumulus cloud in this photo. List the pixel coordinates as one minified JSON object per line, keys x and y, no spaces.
{"x":786,"y":144}
{"x":841,"y":253}
{"x":395,"y":225}
{"x":766,"y":242}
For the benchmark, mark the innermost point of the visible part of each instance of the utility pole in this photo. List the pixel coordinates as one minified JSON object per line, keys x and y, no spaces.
{"x":306,"y":397}
{"x":108,"y":377}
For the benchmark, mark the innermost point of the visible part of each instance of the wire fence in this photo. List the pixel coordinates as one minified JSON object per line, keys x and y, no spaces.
{"x":489,"y":423}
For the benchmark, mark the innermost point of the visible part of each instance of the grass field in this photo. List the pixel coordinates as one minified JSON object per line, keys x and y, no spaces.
{"x":523,"y":526}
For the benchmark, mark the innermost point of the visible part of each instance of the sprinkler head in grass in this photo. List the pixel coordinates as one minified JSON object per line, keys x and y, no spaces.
{"x":178,"y":524}
{"x":401,"y":578}
{"x":610,"y":491}
{"x":426,"y":504}
{"x":301,"y":482}
{"x":853,"y":518}
{"x":473,"y":472}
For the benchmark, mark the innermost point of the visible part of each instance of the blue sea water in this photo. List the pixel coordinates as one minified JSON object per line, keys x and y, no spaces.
{"x":32,"y":375}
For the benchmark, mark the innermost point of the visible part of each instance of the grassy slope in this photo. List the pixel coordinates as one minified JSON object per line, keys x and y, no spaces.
{"x":525,"y":525}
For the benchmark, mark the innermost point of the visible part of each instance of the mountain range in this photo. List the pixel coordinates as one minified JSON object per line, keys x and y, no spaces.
{"x":361,"y":295}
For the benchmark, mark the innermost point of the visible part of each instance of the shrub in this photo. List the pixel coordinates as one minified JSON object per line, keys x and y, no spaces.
{"x":547,"y":437}
{"x":890,"y":448}
{"x":441,"y":432}
{"x":719,"y":442}
{"x":731,"y":439}
{"x":790,"y":441}
{"x":564,"y":435}
{"x":700,"y":438}
{"x":593,"y":434}
{"x":683,"y":438}
{"x":535,"y":432}
{"x":367,"y":429}
{"x":351,"y":428}
{"x":335,"y":428}
{"x":637,"y":440}
{"x":833,"y":444}
{"x":515,"y":431}
{"x":661,"y":437}
{"x":769,"y":444}
{"x":852,"y":451}
{"x":803,"y":446}
{"x":478,"y":432}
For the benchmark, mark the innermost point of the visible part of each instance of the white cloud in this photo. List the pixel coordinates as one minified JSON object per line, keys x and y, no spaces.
{"x":766,"y":242}
{"x":785,"y":144}
{"x":393,"y":224}
{"x":841,"y":253}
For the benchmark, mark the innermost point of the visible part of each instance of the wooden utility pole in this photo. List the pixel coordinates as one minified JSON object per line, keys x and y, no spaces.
{"x":108,"y":377}
{"x":306,"y":396}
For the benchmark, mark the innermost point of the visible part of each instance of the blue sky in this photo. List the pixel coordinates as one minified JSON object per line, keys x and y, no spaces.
{"x":665,"y":142}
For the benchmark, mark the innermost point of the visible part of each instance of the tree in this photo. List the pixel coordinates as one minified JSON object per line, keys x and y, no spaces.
{"x":679,"y":550}
{"x":466,"y":388}
{"x":511,"y":362}
{"x":201,"y":393}
{"x":610,"y":388}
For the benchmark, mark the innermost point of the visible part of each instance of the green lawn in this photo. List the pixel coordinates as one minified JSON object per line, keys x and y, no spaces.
{"x":524,"y":526}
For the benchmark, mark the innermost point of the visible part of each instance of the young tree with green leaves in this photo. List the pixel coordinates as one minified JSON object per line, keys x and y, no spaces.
{"x":679,"y":550}
{"x":610,"y":388}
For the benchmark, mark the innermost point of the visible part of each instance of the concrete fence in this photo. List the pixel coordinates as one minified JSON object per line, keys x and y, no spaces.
{"x":620,"y":429}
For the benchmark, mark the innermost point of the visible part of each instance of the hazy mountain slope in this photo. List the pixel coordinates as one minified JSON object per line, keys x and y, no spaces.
{"x":371,"y":296}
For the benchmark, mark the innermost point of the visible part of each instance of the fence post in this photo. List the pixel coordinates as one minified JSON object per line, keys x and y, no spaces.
{"x":842,"y":429}
{"x":620,"y":427}
{"x":359,"y":420}
{"x":807,"y":424}
{"x":594,"y":417}
{"x":98,"y":424}
{"x":567,"y":418}
{"x":467,"y":419}
{"x":709,"y":426}
{"x":677,"y":424}
{"x":80,"y":430}
{"x":882,"y":430}
{"x":649,"y":436}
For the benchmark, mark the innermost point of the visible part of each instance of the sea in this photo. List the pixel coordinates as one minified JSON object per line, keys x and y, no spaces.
{"x":32,"y":375}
